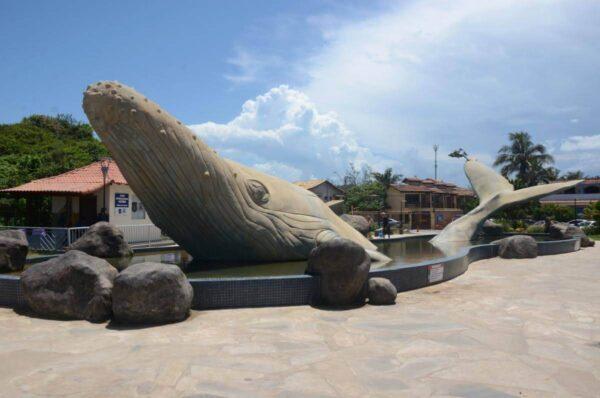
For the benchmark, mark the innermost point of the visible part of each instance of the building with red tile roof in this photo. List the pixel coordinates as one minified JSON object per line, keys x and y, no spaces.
{"x":82,"y":181}
{"x":79,"y":196}
{"x":426,"y":203}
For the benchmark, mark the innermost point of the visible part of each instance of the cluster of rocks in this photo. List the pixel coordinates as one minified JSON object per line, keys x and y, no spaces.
{"x":81,"y":284}
{"x":342,"y":268}
{"x":559,"y":230}
{"x":524,"y":246}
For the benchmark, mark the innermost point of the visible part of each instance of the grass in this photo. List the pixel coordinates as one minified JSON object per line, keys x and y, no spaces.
{"x":594,"y":237}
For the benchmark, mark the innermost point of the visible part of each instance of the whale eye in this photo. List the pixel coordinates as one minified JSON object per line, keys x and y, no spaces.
{"x":258,"y":192}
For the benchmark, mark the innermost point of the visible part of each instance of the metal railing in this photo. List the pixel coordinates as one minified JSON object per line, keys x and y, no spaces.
{"x":53,"y":239}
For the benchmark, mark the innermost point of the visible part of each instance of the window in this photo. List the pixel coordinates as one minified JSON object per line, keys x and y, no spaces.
{"x":412,"y":200}
{"x":137,"y":210}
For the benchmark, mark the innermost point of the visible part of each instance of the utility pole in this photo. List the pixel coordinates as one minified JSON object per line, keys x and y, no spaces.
{"x":435,"y":149}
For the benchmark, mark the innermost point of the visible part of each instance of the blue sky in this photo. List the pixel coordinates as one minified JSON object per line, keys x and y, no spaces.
{"x":299,"y":89}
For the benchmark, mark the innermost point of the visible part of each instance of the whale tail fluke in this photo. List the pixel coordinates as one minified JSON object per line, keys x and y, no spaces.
{"x":494,"y":192}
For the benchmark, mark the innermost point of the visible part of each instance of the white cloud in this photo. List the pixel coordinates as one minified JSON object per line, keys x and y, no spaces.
{"x":461,"y":74}
{"x":581,"y":143}
{"x":249,"y":67}
{"x":283,"y":133}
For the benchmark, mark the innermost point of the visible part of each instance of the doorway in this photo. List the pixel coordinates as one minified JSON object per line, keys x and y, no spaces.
{"x":87,"y":210}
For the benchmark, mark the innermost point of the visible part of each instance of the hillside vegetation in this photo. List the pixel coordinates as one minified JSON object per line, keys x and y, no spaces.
{"x":41,"y":146}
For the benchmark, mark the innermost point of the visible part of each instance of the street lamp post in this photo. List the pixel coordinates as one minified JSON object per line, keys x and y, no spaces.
{"x":435,"y":150}
{"x":104,"y":165}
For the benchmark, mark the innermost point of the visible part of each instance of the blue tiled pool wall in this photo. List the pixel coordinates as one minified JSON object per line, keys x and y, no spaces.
{"x":303,"y":289}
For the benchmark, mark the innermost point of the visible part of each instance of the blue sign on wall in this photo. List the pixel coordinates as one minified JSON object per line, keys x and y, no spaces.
{"x":121,"y":200}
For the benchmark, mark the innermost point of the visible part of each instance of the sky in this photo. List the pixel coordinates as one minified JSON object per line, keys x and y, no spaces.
{"x":301,"y":89}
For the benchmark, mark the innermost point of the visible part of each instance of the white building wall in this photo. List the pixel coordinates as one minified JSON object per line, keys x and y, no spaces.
{"x":125,"y":216}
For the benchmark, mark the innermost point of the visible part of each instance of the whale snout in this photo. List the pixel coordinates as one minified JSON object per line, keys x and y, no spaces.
{"x":107,"y":103}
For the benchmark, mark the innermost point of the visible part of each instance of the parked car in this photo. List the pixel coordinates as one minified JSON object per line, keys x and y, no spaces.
{"x":587,"y":223}
{"x":577,"y":222}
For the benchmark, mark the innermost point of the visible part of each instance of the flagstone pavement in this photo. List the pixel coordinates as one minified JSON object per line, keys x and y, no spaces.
{"x":506,"y":328}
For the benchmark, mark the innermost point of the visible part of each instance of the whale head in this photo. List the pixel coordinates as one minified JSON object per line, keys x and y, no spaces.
{"x":213,"y":207}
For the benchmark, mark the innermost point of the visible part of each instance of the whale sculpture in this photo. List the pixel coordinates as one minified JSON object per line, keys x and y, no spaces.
{"x":494,"y":192}
{"x":215,"y":208}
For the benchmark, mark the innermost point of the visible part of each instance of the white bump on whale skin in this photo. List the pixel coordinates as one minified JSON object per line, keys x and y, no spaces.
{"x":163,"y":131}
{"x":133,"y":111}
{"x":207,"y":174}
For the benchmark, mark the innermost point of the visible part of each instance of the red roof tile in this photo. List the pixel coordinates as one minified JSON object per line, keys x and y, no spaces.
{"x":83,"y":180}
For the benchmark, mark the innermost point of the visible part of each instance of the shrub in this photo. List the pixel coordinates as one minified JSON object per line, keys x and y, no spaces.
{"x":554,"y":212}
{"x":592,"y":212}
{"x":506,"y":225}
{"x":536,"y":229}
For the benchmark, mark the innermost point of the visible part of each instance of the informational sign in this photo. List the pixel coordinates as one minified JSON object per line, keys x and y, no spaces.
{"x":121,"y":203}
{"x":121,"y":200}
{"x":436,"y":273}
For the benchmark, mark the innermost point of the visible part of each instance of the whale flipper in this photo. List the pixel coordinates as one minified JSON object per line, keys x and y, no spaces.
{"x":495,"y":192}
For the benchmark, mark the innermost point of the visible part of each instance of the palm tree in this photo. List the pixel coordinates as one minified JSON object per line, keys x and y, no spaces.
{"x":538,"y":174}
{"x":573,"y":175}
{"x":387,"y":178}
{"x":523,"y":158}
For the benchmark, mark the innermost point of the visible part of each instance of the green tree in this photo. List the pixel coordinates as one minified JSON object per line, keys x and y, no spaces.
{"x":386,"y":179}
{"x":41,"y":146}
{"x":367,"y":196}
{"x":523,"y":159}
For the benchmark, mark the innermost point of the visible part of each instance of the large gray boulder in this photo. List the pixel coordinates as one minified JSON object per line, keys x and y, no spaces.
{"x":152,"y":293}
{"x":103,"y":240}
{"x":359,"y":223}
{"x":13,"y":250}
{"x":559,"y":230}
{"x":518,"y":246}
{"x":343,"y":268}
{"x":380,"y":291}
{"x":74,"y":285}
{"x":491,"y":228}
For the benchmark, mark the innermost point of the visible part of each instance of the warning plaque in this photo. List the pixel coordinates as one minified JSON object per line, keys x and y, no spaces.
{"x":436,"y":273}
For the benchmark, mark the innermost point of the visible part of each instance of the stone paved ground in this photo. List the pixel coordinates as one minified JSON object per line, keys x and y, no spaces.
{"x":523,"y":328}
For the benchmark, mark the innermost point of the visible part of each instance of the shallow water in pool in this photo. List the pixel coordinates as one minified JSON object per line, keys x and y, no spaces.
{"x":408,"y":251}
{"x":402,"y":252}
